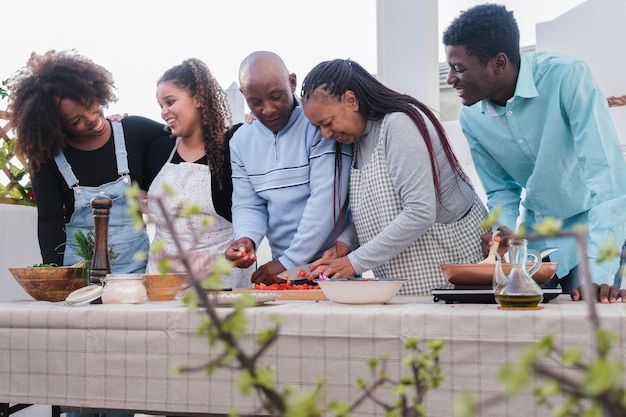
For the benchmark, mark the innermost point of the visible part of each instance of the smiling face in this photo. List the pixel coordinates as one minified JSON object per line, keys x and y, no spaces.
{"x":268,"y":91}
{"x":83,"y":123}
{"x":472,"y":80}
{"x":179,"y":109}
{"x":335,"y":118}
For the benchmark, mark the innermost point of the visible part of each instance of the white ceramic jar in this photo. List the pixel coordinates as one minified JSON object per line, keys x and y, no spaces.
{"x":124,"y":289}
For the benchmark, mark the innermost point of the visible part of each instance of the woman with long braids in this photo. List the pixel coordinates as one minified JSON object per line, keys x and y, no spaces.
{"x":412,"y":205}
{"x":196,"y":110}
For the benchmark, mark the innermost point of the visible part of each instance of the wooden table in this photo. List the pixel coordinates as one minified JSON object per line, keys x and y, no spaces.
{"x":118,"y":356}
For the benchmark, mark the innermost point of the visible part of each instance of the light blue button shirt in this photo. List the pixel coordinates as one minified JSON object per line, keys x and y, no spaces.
{"x":554,"y":148}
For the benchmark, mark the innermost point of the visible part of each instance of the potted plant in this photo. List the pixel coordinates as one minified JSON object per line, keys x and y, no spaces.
{"x":15,"y":185}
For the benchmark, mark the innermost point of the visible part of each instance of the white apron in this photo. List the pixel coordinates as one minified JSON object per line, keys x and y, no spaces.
{"x":192,"y":185}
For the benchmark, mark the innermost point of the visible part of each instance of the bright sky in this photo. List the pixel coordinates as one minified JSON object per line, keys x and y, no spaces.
{"x":138,"y":41}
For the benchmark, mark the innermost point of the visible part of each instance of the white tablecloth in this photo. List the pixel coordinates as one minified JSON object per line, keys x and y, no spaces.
{"x":118,"y":356}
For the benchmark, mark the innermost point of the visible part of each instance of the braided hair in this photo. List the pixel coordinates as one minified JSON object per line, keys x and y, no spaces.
{"x":35,"y":92}
{"x":376,"y":100}
{"x":195,"y":77}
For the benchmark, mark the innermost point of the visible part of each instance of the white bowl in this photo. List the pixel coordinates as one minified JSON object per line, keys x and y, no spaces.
{"x":360,"y":290}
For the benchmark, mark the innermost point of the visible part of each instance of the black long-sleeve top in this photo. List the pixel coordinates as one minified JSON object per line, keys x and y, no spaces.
{"x":55,"y":200}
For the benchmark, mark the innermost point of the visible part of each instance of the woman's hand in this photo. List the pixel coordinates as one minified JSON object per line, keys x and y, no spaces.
{"x":117,"y":117}
{"x":338,"y":268}
{"x":250,"y":118}
{"x":333,"y":262}
{"x":338,"y":250}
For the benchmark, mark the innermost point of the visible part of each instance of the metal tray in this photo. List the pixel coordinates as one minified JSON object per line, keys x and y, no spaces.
{"x":480,"y":296}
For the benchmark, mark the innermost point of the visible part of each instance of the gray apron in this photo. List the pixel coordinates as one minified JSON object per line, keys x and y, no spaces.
{"x":374,"y":203}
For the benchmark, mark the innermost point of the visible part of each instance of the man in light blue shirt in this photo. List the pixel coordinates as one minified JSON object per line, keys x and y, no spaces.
{"x":273,"y":159}
{"x":541,"y":135}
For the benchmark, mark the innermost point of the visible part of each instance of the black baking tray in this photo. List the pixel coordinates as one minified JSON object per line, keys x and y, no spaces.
{"x":481,"y":296}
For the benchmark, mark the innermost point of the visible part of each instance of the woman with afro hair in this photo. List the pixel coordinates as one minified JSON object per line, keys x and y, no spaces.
{"x":74,"y":154}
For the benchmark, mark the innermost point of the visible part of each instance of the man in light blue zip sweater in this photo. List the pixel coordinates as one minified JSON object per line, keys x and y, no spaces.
{"x":289,"y":183}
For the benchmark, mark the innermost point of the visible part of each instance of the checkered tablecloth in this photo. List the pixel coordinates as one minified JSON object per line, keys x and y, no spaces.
{"x":119,"y":356}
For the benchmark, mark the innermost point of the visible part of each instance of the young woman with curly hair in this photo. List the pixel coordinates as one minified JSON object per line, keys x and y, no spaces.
{"x":75,"y":154}
{"x":196,"y":110}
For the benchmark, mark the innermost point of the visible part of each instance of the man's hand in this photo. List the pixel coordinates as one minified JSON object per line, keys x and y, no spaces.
{"x":241,"y":253}
{"x":267,"y":274}
{"x":486,"y":241}
{"x":604,"y":293}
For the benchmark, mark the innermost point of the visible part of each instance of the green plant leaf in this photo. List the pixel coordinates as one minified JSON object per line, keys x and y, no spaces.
{"x":85,"y":244}
{"x":492,"y":218}
{"x":571,"y":357}
{"x":605,"y":341}
{"x":549,"y":227}
{"x":600,"y":377}
{"x":515,"y":378}
{"x":465,"y":406}
{"x":608,"y":251}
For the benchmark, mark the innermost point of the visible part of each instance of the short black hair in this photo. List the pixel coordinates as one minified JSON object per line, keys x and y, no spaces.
{"x":485,"y":31}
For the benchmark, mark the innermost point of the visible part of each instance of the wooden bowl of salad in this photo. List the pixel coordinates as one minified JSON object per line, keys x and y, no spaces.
{"x":50,"y":283}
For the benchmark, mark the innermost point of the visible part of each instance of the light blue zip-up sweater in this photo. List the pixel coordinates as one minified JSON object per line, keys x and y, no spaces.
{"x":284,"y":188}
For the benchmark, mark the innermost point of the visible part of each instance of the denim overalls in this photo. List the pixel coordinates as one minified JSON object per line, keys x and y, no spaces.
{"x":123,"y":237}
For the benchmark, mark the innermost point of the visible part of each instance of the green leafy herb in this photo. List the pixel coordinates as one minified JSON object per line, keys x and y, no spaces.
{"x":85,"y":244}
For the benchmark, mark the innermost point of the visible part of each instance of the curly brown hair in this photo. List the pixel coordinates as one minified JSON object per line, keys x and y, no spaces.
{"x":195,"y":77}
{"x":35,"y":92}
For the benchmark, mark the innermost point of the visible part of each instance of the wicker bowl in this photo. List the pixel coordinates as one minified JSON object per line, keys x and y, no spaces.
{"x":163,"y":287}
{"x":50,"y":283}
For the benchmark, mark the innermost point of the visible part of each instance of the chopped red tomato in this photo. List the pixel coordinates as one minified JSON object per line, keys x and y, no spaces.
{"x":285,"y":286}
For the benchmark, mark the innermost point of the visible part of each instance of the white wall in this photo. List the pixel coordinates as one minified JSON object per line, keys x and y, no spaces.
{"x":18,"y":247}
{"x":406,"y":52}
{"x":594,"y":32}
{"x":236,"y":102}
{"x":461,"y":149}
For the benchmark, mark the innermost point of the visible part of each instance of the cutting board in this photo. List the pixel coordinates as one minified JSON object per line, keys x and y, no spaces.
{"x":313,"y":295}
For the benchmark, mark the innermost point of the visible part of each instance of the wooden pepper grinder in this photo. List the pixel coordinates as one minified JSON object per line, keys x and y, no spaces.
{"x":101,"y":264}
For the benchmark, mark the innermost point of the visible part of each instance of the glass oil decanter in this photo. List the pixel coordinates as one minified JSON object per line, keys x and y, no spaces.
{"x":518,"y":289}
